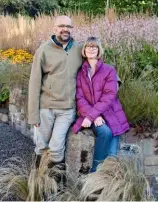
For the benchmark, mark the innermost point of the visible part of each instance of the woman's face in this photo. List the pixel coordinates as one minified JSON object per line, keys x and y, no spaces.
{"x":91,"y":51}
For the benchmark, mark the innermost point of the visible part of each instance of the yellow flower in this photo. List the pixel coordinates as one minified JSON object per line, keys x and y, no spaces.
{"x":16,"y":56}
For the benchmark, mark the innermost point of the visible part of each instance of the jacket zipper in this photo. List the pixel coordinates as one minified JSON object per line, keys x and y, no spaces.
{"x":91,"y":88}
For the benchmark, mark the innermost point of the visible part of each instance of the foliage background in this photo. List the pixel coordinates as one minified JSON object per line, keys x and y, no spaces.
{"x":36,"y":7}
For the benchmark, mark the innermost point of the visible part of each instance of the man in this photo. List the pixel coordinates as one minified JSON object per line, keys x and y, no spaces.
{"x":52,"y":86}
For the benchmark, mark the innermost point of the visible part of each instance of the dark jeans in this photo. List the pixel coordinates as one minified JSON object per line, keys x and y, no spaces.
{"x":105,"y":145}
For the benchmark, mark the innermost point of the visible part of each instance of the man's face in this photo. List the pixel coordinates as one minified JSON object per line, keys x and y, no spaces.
{"x":63,"y":29}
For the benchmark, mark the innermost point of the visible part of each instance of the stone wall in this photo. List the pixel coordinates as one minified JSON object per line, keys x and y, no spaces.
{"x":18,"y":110}
{"x":4,"y":111}
{"x":150,"y":159}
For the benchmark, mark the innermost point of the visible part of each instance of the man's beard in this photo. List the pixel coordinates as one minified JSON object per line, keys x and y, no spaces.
{"x":64,"y":40}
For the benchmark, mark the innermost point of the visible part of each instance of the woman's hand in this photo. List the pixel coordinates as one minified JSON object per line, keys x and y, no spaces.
{"x":86,"y":123}
{"x":99,"y":121}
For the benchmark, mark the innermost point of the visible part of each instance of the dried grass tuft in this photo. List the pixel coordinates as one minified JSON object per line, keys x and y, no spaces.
{"x":17,"y":180}
{"x":116,"y":180}
{"x":13,"y":178}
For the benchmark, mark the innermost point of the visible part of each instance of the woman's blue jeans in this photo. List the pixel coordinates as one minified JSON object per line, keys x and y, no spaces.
{"x":105,"y":145}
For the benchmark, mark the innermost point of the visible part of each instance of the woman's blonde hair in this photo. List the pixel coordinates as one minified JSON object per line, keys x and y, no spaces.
{"x":93,"y":41}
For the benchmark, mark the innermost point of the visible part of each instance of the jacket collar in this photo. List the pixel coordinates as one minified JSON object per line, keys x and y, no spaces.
{"x":69,"y":45}
{"x":86,"y":65}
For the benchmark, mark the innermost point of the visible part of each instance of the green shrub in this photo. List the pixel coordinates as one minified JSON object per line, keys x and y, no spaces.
{"x":130,"y":63}
{"x":122,"y":59}
{"x":147,"y":56}
{"x":135,"y":6}
{"x":124,"y":6}
{"x":12,"y":74}
{"x":4,"y":81}
{"x":146,"y":59}
{"x":138,"y":72}
{"x":139,"y":101}
{"x":4,"y":94}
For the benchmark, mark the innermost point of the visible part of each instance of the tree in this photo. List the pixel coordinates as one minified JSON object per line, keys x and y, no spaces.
{"x":34,"y":7}
{"x":28,"y":7}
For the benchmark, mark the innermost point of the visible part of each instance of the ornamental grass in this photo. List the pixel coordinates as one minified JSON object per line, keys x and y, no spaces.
{"x":26,"y":33}
{"x":116,"y":180}
{"x":20,"y":182}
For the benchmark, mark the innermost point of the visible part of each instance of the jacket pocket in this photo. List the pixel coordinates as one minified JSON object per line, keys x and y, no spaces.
{"x":57,"y":90}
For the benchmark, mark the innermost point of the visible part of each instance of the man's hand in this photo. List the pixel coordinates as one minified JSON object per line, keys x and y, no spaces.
{"x":86,"y":123}
{"x":37,"y":125}
{"x":99,"y":121}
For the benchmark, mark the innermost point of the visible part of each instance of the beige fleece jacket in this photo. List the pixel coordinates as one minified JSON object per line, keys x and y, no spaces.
{"x":52,"y":81}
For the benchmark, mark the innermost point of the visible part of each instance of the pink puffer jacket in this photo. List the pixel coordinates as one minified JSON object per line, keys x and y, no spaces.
{"x":98,"y":97}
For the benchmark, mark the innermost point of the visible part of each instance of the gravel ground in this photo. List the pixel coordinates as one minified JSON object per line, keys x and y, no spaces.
{"x":14,"y":144}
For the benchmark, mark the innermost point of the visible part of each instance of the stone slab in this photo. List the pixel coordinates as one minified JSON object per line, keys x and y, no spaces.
{"x":151,"y":170}
{"x":147,"y":146}
{"x":4,"y":117}
{"x":79,"y":152}
{"x":151,"y":161}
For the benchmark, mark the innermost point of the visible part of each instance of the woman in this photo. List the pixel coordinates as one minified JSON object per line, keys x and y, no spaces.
{"x":98,"y":104}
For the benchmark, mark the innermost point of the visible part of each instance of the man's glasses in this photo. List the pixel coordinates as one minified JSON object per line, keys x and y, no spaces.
{"x":67,"y":26}
{"x":92,"y":47}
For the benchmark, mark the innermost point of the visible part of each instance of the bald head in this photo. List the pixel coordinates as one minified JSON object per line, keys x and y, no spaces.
{"x":62,"y":18}
{"x":63,"y":28}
